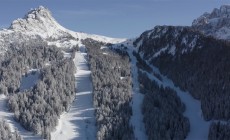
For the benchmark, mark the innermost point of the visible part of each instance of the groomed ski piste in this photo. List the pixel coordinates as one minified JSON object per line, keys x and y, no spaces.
{"x":79,"y":122}
{"x":137,"y":98}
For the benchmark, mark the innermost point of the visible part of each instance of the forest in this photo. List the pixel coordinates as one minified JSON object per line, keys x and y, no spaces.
{"x":37,"y":109}
{"x":6,"y":134}
{"x":111,"y":91}
{"x":203,"y":71}
{"x":163,"y":111}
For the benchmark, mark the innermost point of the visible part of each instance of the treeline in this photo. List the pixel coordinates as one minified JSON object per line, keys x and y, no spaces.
{"x":111,"y":91}
{"x":38,"y":108}
{"x":6,"y":134}
{"x":163,"y":111}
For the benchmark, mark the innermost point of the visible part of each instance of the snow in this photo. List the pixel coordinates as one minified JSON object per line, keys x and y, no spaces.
{"x":30,"y":80}
{"x":160,"y":51}
{"x":103,"y":47}
{"x":67,"y":55}
{"x":136,"y":119}
{"x":172,"y":50}
{"x":79,"y":122}
{"x":9,"y":118}
{"x":199,"y":128}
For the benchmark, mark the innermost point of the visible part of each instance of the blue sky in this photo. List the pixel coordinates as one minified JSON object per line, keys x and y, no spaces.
{"x":114,"y":18}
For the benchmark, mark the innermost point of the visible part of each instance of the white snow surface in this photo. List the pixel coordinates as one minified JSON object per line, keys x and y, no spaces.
{"x":30,"y":80}
{"x":79,"y":122}
{"x":9,"y":118}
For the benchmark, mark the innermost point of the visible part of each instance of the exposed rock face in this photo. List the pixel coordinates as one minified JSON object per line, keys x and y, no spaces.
{"x":216,"y":23}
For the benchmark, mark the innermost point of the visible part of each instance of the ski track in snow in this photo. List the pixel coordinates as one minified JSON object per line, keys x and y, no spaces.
{"x":199,"y":128}
{"x":137,"y":99}
{"x":79,"y":122}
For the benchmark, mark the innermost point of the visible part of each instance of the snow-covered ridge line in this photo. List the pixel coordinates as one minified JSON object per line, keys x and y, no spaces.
{"x":39,"y":21}
{"x":215,"y":23}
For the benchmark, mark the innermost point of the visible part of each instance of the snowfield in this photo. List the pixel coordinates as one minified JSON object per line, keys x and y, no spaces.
{"x":79,"y":122}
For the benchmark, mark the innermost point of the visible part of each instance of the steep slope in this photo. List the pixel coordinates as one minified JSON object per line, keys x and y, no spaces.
{"x":215,"y":23}
{"x":196,"y":63}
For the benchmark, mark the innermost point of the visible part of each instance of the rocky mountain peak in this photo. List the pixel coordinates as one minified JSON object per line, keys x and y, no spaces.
{"x":39,"y":21}
{"x":215,"y":23}
{"x":38,"y":12}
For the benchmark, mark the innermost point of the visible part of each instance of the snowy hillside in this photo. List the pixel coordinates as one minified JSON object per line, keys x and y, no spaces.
{"x":215,"y":23}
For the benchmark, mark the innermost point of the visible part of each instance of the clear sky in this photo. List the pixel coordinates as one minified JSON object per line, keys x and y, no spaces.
{"x":114,"y":18}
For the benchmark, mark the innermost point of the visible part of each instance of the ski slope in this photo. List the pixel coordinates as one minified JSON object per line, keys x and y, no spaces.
{"x":79,"y":122}
{"x":137,"y":99}
{"x":136,"y":119}
{"x":199,"y":128}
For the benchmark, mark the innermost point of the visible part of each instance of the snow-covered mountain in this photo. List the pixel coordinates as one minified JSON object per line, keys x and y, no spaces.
{"x":168,"y":40}
{"x":215,"y":23}
{"x":39,"y":22}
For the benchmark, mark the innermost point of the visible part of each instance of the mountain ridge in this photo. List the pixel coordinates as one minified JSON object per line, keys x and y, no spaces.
{"x":215,"y":23}
{"x":39,"y":23}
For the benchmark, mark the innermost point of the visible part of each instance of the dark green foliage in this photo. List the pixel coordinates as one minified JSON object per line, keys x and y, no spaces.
{"x":111,"y":93}
{"x":203,"y":71}
{"x":6,"y":134}
{"x":141,"y":64}
{"x":163,"y":112}
{"x":219,"y":131}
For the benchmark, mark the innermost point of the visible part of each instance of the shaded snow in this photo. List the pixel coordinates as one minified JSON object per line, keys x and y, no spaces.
{"x":30,"y":80}
{"x":160,"y":51}
{"x":136,"y":119}
{"x":79,"y":122}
